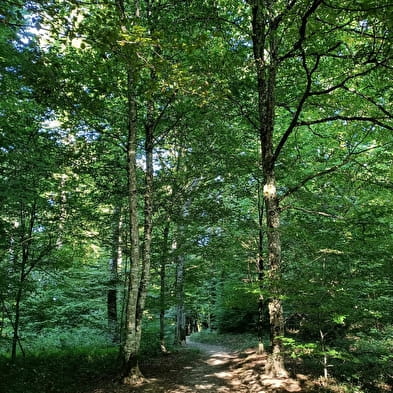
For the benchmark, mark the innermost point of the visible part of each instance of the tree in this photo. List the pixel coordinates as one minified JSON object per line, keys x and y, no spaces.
{"x":30,"y":157}
{"x":325,"y":40}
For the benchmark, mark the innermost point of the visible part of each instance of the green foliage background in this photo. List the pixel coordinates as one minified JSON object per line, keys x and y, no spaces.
{"x":63,"y":172}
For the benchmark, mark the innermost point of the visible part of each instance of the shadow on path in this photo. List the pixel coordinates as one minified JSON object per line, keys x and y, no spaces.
{"x":213,"y":369}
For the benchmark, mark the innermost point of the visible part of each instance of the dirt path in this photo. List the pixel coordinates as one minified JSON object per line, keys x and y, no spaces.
{"x":213,"y":369}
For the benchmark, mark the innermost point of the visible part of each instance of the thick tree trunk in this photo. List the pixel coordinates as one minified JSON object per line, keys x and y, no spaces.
{"x":276,"y":317}
{"x":265,"y":56}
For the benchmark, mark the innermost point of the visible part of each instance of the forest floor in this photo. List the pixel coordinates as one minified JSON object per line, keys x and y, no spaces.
{"x":204,"y":368}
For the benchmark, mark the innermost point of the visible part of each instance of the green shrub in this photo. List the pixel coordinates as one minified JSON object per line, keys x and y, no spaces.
{"x":234,"y":342}
{"x":71,"y":370}
{"x":371,"y":359}
{"x":236,"y":310}
{"x":61,"y":339}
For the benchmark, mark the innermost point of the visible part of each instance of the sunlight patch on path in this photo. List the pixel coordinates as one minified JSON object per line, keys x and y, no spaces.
{"x":240,"y":373}
{"x":219,"y":359}
{"x":216,"y":370}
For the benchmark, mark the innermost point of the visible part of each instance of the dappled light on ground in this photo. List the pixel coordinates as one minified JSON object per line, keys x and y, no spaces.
{"x":214,"y":369}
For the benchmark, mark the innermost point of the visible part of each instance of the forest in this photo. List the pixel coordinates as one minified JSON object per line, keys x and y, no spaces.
{"x":187,"y":181}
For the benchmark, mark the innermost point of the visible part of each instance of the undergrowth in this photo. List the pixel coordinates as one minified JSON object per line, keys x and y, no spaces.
{"x":57,"y":371}
{"x":235,"y":342}
{"x":73,"y":361}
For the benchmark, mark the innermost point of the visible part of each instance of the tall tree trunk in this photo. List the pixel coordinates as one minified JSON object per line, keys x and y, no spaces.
{"x":15,"y":334}
{"x":25,"y":241}
{"x":264,"y":27}
{"x":140,"y":254}
{"x":148,"y":220}
{"x":113,"y":325}
{"x":131,"y":372}
{"x":164,"y":260}
{"x":180,"y":329}
{"x":139,"y":264}
{"x":148,"y":193}
{"x":261,"y":272}
{"x":276,"y":316}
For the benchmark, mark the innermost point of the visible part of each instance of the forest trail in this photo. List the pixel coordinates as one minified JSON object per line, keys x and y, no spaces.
{"x":213,"y":369}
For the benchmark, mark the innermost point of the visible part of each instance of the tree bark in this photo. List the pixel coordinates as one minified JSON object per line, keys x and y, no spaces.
{"x":261,"y":273}
{"x":164,"y":259}
{"x":113,"y":325}
{"x":15,"y":334}
{"x":131,"y":372}
{"x":148,"y":220}
{"x":140,"y":252}
{"x":138,"y":274}
{"x":266,"y":61}
{"x":26,"y":239}
{"x":180,"y":329}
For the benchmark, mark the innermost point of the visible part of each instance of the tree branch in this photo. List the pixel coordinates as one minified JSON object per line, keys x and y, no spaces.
{"x":347,"y":118}
{"x":369,"y":99}
{"x":314,"y":176}
{"x":323,"y":214}
{"x":243,"y":113}
{"x":281,"y":16}
{"x":331,"y":169}
{"x":164,"y":109}
{"x":335,"y":7}
{"x":345,"y":80}
{"x":299,"y":108}
{"x":302,"y":30}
